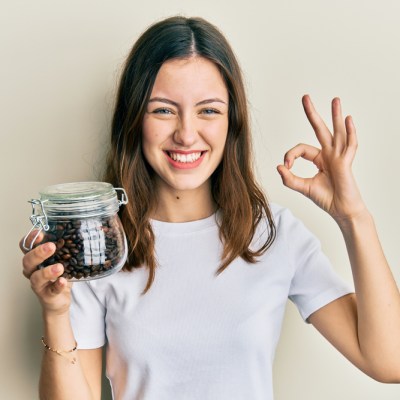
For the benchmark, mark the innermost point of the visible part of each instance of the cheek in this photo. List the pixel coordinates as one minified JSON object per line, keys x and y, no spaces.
{"x":155,"y":132}
{"x":218,"y":133}
{"x":148,"y":140}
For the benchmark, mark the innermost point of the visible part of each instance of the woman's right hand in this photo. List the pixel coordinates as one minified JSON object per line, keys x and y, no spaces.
{"x":53,"y":291}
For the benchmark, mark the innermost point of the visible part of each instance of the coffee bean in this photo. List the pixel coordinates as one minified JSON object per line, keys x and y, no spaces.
{"x":86,"y":248}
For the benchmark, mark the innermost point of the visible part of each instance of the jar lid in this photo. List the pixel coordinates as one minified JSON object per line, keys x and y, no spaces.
{"x":81,"y":199}
{"x":73,"y":200}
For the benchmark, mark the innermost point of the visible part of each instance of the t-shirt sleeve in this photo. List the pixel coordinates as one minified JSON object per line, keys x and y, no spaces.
{"x":314,"y":283}
{"x":87,"y":317}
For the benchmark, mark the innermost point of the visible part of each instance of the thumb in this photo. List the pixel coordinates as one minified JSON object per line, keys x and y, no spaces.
{"x":292,"y":181}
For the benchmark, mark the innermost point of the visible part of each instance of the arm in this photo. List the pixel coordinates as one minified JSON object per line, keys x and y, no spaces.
{"x":365,"y":327}
{"x":61,"y":378}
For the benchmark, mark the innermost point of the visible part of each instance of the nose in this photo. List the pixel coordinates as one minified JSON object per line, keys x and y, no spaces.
{"x":186,"y":133}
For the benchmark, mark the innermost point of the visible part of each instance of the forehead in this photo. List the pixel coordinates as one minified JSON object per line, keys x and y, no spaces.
{"x":195,"y":75}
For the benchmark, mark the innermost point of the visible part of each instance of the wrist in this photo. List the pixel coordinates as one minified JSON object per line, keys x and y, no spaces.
{"x":57,"y":331}
{"x":354,"y":221}
{"x":55,"y":317}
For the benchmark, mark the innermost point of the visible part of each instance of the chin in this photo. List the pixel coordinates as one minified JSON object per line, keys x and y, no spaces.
{"x":188,"y":184}
{"x":187,"y":187}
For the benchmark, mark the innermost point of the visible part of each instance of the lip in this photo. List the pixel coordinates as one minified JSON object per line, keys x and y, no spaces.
{"x":188,"y":165}
{"x":185,"y":151}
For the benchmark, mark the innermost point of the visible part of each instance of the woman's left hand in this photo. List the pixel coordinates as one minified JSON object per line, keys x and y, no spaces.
{"x":333,"y":188}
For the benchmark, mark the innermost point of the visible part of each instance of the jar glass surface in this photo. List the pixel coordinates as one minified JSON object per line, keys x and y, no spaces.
{"x":82,"y":221}
{"x":88,"y":248}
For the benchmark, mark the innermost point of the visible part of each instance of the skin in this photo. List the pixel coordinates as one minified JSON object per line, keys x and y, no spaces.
{"x":187,"y":111}
{"x":362,"y":326}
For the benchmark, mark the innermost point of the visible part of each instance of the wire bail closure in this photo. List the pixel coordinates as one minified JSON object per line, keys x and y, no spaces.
{"x":38,"y":221}
{"x":124,"y":197}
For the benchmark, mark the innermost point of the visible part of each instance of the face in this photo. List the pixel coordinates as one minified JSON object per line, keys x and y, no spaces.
{"x":186,"y":124}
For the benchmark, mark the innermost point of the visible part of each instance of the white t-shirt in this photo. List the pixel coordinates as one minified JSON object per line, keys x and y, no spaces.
{"x":195,"y":335}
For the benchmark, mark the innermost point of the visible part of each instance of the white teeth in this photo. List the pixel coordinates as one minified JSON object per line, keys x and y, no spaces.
{"x":185,"y":158}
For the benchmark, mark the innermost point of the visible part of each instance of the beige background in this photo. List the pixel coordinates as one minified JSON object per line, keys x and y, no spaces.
{"x":59,"y":66}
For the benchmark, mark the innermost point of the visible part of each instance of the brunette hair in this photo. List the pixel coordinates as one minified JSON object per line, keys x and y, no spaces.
{"x":240,"y":200}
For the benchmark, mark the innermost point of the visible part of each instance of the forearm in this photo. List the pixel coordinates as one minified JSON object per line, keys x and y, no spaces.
{"x":62,"y":376}
{"x":378,"y":298}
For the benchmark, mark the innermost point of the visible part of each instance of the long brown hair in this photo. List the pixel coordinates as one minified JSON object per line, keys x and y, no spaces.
{"x":240,"y":200}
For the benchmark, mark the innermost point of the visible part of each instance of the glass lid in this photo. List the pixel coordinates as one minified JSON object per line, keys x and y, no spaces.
{"x":77,"y":191}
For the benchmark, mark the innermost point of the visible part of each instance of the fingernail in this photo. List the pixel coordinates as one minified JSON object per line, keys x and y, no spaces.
{"x":48,"y":247}
{"x":55,"y":268}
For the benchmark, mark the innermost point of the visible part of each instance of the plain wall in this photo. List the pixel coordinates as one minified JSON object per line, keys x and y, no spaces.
{"x":59,"y":66}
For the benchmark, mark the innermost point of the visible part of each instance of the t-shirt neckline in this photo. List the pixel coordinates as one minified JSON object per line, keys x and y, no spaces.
{"x":184,"y":227}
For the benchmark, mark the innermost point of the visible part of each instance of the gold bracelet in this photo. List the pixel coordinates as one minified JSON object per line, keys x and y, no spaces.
{"x":61,"y":352}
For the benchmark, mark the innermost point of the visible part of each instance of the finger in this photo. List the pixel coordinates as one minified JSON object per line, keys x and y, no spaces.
{"x":294,"y":182}
{"x":29,"y":239}
{"x":42,"y":277}
{"x":36,"y":256}
{"x":352,"y":142}
{"x":339,"y":128}
{"x":59,"y":285}
{"x":305,"y":151}
{"x":321,"y":130}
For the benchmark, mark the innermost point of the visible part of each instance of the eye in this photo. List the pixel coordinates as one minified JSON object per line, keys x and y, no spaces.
{"x":210,"y":111}
{"x":162,"y":111}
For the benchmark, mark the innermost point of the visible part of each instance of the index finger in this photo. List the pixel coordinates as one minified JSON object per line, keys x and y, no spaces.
{"x":322,"y":132}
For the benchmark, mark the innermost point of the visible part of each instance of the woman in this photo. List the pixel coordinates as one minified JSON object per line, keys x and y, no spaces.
{"x":197,"y":311}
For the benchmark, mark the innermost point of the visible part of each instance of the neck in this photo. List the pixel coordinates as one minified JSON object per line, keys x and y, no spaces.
{"x":184,"y":206}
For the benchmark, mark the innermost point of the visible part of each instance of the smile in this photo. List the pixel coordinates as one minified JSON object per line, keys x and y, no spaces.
{"x":183,"y":160}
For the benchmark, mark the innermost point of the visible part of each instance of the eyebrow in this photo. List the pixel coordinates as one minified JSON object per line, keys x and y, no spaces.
{"x":168,"y":101}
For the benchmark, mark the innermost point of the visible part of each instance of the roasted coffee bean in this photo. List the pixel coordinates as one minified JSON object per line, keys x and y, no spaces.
{"x":86,"y":248}
{"x":51,"y":238}
{"x":58,"y":234}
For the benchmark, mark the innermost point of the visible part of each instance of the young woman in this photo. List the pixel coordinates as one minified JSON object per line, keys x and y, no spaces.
{"x":196,"y":313}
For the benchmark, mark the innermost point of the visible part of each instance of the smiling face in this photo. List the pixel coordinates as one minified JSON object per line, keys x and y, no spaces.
{"x":186,"y":124}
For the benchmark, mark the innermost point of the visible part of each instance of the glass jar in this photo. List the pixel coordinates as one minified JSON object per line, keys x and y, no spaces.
{"x":81,"y":219}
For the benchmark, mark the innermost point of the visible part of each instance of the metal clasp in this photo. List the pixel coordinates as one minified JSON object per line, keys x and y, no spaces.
{"x":39,"y":221}
{"x":124,"y":197}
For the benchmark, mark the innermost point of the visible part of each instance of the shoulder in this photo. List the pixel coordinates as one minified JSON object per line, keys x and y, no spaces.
{"x":101,"y":290}
{"x":282,"y":217}
{"x":290,"y":231}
